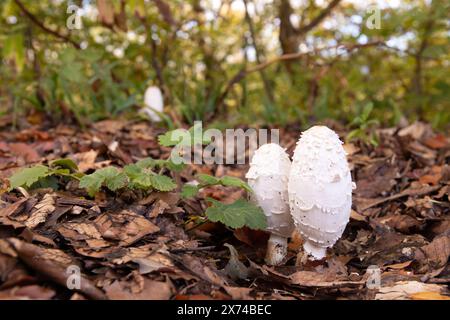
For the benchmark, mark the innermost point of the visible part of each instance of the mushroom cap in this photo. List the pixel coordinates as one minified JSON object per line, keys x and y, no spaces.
{"x":320,"y":187}
{"x":268,"y":176}
{"x":153,"y":100}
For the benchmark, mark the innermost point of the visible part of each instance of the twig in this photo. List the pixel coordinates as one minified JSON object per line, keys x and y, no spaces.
{"x":43,"y":27}
{"x":285,"y":57}
{"x":407,"y":192}
{"x":322,"y":15}
{"x":192,"y":249}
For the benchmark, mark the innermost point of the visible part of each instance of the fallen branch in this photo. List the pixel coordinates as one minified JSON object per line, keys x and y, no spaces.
{"x":406,"y":193}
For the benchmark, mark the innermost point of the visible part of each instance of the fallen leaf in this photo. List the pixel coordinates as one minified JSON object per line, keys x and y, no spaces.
{"x":428,"y":296}
{"x":403,"y":290}
{"x":321,"y":280}
{"x":125,"y":226}
{"x":152,"y":290}
{"x":235,"y":269}
{"x":438,"y":251}
{"x":52,"y":264}
{"x":85,"y":160}
{"x":25,"y":151}
{"x":438,"y":141}
{"x":31,"y":292}
{"x":42,"y":209}
{"x":239,"y":293}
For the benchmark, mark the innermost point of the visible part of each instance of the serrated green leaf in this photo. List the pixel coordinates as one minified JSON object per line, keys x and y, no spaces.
{"x":162,"y":183}
{"x":207,"y":179}
{"x":174,"y":137}
{"x":146,"y":163}
{"x":65,"y":163}
{"x":111,"y":177}
{"x":132,"y":171}
{"x":46,"y":182}
{"x":143,"y":181}
{"x":237,"y":215}
{"x":189,"y":191}
{"x":26,"y":177}
{"x":116,"y":182}
{"x":234,"y":182}
{"x":183,"y":137}
{"x":92,"y":183}
{"x":177,"y":167}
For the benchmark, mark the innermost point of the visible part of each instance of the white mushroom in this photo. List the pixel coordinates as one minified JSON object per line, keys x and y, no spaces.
{"x":320,"y":190}
{"x":268,"y":176}
{"x":153,"y":100}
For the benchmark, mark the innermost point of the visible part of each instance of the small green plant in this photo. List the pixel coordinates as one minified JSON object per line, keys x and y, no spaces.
{"x":206,"y":180}
{"x":237,"y":215}
{"x":44,"y":176}
{"x":363,"y":125}
{"x":146,"y":175}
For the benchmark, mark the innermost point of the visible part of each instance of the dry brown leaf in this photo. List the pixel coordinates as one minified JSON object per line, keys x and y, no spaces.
{"x":126,"y":227}
{"x":399,"y":266}
{"x":148,"y":260}
{"x":417,"y":130}
{"x":321,"y":280}
{"x":239,"y":293}
{"x":428,"y":296}
{"x":403,"y":290}
{"x":85,"y":160}
{"x":151,"y":290}
{"x":42,"y":209}
{"x":31,"y":292}
{"x":52,"y":264}
{"x":158,"y":208}
{"x":438,"y":141}
{"x":11,"y":210}
{"x":79,"y":231}
{"x":28,"y":153}
{"x":438,"y":251}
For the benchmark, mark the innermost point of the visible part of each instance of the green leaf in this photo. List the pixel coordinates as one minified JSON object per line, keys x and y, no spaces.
{"x":46,"y":182}
{"x":173,"y":138}
{"x":92,"y":183}
{"x":237,"y":215}
{"x":146,"y":163}
{"x":207,"y":179}
{"x":234,"y":182}
{"x":143,"y":181}
{"x":184,"y":137}
{"x":111,"y":177}
{"x":133,"y":171}
{"x":162,"y":183}
{"x":189,"y":191}
{"x":116,"y":182}
{"x":177,"y":167}
{"x":227,"y":181}
{"x":65,"y":163}
{"x":26,"y":177}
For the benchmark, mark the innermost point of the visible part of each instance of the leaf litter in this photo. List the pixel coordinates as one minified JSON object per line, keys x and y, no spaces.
{"x":128,"y":246}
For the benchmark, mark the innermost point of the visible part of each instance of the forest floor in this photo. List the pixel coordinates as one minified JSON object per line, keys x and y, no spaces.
{"x":132,"y":247}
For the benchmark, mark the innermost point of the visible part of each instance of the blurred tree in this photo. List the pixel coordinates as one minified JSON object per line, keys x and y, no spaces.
{"x":244,"y":61}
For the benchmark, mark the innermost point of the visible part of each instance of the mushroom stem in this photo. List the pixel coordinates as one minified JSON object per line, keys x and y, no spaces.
{"x":314,"y":252}
{"x":276,"y":250}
